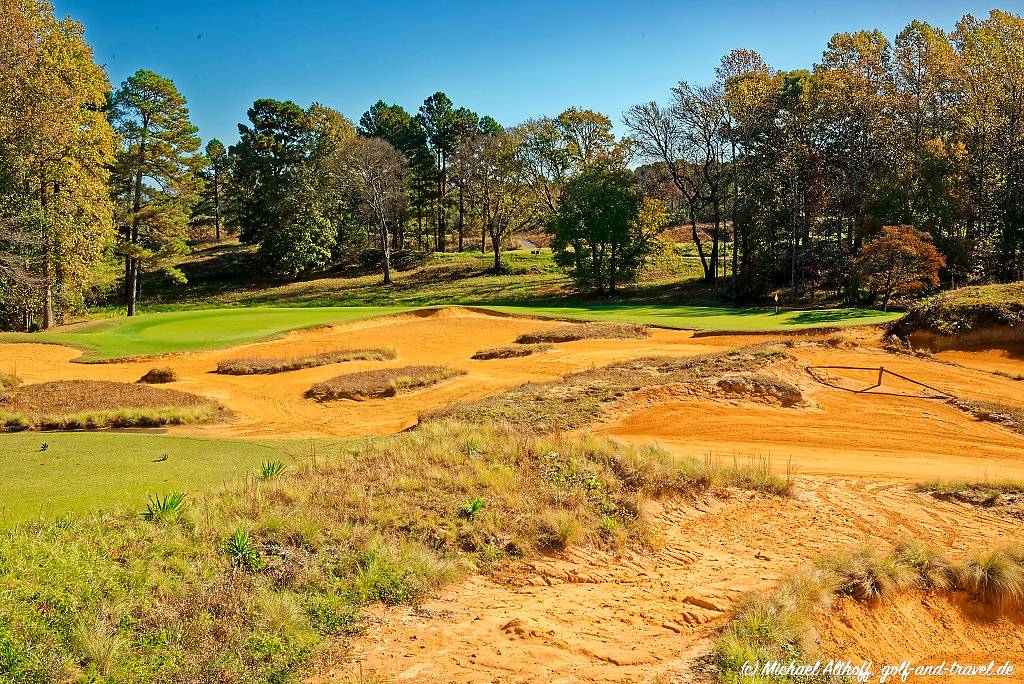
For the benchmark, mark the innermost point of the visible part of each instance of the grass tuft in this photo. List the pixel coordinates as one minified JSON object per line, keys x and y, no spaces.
{"x":384,"y":382}
{"x":511,"y":351}
{"x":996,"y":577}
{"x":585,"y":331}
{"x":8,"y":381}
{"x":867,"y":576}
{"x":271,"y":365}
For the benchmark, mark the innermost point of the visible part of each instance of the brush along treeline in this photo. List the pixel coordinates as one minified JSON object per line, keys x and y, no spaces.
{"x":255,"y":582}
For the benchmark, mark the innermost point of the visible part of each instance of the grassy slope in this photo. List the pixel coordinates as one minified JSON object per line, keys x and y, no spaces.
{"x":113,"y":469}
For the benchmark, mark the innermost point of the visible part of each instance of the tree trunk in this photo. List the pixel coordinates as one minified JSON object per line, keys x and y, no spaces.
{"x":133,"y":286}
{"x":216,"y":200}
{"x":47,"y":257}
{"x":496,"y":246}
{"x":133,"y":263}
{"x":697,"y":242}
{"x":462,"y":216}
{"x":386,"y":242}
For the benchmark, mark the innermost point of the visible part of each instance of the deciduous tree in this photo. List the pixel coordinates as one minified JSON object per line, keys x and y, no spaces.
{"x":899,"y":262}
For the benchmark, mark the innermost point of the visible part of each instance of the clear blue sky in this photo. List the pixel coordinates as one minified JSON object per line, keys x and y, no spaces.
{"x":512,"y":60}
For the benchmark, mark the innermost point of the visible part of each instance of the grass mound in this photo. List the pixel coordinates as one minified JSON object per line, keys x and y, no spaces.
{"x":8,"y":381}
{"x":1005,"y":496}
{"x":577,"y":399}
{"x":384,"y":382}
{"x":965,"y":310}
{"x":585,"y":331}
{"x":251,"y":582}
{"x":158,"y":376}
{"x":93,"y":404}
{"x":269,"y":365}
{"x":511,"y":352}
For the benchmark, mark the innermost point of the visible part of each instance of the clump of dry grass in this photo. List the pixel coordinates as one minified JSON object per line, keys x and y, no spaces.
{"x":867,"y":576}
{"x":8,"y":381}
{"x":269,"y":365}
{"x":94,"y":404}
{"x":511,"y":351}
{"x":585,"y":331}
{"x":761,"y":387}
{"x":1010,"y":417}
{"x":995,"y":576}
{"x":158,"y":376}
{"x":380,"y":383}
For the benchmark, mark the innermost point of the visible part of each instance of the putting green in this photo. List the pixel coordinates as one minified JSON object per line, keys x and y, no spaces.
{"x":709,"y":317}
{"x":160,"y":333}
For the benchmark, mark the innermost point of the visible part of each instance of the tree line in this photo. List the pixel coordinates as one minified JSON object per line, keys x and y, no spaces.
{"x":881,"y":171}
{"x":796,"y":171}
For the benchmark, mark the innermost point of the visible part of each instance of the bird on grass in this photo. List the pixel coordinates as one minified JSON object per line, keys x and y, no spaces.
{"x":163,"y":457}
{"x":44,"y":447}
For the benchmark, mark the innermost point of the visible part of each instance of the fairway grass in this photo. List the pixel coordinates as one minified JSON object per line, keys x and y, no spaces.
{"x":86,"y":472}
{"x":193,"y":330}
{"x":161,"y":333}
{"x":724,"y":318}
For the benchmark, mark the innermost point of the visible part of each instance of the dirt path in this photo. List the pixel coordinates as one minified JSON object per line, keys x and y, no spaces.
{"x":587,"y":617}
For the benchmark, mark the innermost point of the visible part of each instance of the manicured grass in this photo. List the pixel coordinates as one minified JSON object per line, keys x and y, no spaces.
{"x":192,"y":330}
{"x":708,"y":317}
{"x":82,"y":472}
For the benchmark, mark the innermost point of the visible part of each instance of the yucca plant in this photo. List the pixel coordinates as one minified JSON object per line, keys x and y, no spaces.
{"x":471,"y":508}
{"x":271,"y":469}
{"x":242,"y":552}
{"x":159,"y":508}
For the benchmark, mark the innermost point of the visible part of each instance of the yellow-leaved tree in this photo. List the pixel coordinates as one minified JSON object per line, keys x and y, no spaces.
{"x":56,"y":146}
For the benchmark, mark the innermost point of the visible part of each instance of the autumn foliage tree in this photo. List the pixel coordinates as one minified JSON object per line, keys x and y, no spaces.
{"x":899,"y":262}
{"x":55,"y":150}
